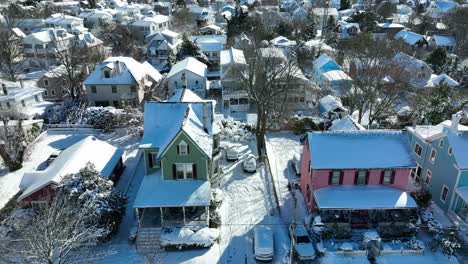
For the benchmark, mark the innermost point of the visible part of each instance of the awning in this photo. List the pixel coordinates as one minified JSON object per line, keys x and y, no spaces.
{"x":155,"y":192}
{"x":463,"y":192}
{"x":362,"y":197}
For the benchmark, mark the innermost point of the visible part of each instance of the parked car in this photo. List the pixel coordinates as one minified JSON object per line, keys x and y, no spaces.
{"x":302,"y":242}
{"x":296,"y":164}
{"x":232,"y":153}
{"x":263,"y":243}
{"x":250,"y":163}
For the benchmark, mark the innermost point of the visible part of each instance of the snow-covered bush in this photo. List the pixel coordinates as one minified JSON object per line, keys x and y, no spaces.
{"x":415,"y":244}
{"x":70,"y":112}
{"x":301,"y":124}
{"x":235,"y":130}
{"x":101,"y":117}
{"x":96,"y":198}
{"x":450,"y":244}
{"x":215,"y":215}
{"x":188,"y":237}
{"x":422,"y":197}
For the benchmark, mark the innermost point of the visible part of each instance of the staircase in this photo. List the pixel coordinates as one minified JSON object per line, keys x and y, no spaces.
{"x":148,"y":239}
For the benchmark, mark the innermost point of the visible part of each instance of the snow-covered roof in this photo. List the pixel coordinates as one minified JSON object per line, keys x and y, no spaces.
{"x":16,"y":94}
{"x":376,"y":149}
{"x":55,"y":72}
{"x":323,"y":60}
{"x":282,"y":41}
{"x":164,"y":120}
{"x":211,"y":45}
{"x":169,"y":33}
{"x":185,"y":96}
{"x":272,"y":53}
{"x":157,"y":19}
{"x":390,"y":25}
{"x":59,"y":18}
{"x":459,"y":143}
{"x":190,"y":64}
{"x":232,"y":56}
{"x":336,"y":75}
{"x":444,"y":40}
{"x":90,"y":149}
{"x":463,"y":192}
{"x":409,"y":37}
{"x":48,"y":35}
{"x":125,"y":70}
{"x":437,"y":79}
{"x":315,"y":43}
{"x":155,"y":192}
{"x":331,"y":103}
{"x":363,"y":197}
{"x":445,"y":6}
{"x":204,"y":38}
{"x":346,"y":123}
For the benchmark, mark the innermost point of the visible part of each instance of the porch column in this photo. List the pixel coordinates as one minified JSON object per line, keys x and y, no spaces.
{"x":207,"y":211}
{"x":183,"y":213}
{"x":137,"y":216}
{"x":162,"y":221}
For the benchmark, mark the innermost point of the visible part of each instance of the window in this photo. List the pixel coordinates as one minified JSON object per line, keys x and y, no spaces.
{"x":444,"y":193}
{"x":23,"y":103}
{"x":46,"y":82}
{"x":115,"y":103}
{"x":433,"y":156}
{"x":114,"y":89}
{"x":416,"y":173}
{"x":184,"y":171}
{"x":387,"y":177}
{"x":8,"y":104}
{"x":441,"y":143}
{"x":36,"y":97}
{"x":336,"y":178}
{"x":152,"y":160}
{"x":428,"y":177}
{"x":39,"y":46}
{"x":308,"y":193}
{"x":52,"y":92}
{"x":106,"y":74}
{"x":93,"y":88}
{"x":418,"y":149}
{"x":361,"y":177}
{"x":450,"y":150}
{"x":183,"y":148}
{"x":133,"y":89}
{"x":45,"y":92}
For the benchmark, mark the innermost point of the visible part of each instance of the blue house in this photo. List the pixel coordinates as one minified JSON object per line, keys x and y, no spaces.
{"x":441,"y":155}
{"x":328,"y":75}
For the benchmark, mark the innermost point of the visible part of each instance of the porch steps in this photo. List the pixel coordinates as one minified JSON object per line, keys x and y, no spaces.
{"x":148,"y":240}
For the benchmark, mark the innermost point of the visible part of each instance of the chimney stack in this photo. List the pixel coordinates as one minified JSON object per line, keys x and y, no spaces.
{"x":4,"y":88}
{"x":455,"y":121}
{"x":205,"y":117}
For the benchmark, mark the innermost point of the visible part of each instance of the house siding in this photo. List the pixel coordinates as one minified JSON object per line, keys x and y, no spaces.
{"x":191,"y":78}
{"x":38,"y":195}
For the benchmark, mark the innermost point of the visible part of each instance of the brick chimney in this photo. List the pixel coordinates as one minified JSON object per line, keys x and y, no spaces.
{"x":4,"y":89}
{"x":456,"y":121}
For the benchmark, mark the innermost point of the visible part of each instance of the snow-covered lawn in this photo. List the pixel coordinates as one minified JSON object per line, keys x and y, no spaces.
{"x":427,"y":258}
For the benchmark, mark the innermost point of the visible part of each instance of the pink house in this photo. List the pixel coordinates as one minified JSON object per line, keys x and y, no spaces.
{"x":356,"y":171}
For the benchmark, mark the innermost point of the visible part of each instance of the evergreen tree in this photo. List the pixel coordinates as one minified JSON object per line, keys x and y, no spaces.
{"x":438,"y":59}
{"x":366,"y":20}
{"x":440,"y":104}
{"x":190,"y":49}
{"x":345,"y":4}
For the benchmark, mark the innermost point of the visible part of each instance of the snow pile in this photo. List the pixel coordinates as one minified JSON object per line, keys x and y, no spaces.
{"x":433,"y":226}
{"x":370,"y":236}
{"x":236,"y":131}
{"x":188,"y":237}
{"x":415,"y":244}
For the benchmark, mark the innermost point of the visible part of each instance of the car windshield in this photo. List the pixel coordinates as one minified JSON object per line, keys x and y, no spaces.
{"x":303,"y":239}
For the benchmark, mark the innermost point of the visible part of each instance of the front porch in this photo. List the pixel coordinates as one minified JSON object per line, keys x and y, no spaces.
{"x":155,"y":217}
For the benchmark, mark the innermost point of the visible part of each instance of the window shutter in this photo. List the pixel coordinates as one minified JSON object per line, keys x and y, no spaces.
{"x":341,"y":177}
{"x":194,"y":169}
{"x":392,"y":179}
{"x":178,"y":149}
{"x":188,"y":149}
{"x":367,"y":177}
{"x":382,"y":176}
{"x":174,"y":172}
{"x":150,"y":160}
{"x":330,"y":176}
{"x":356,"y":176}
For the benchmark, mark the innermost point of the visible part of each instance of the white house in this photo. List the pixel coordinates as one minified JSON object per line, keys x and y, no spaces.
{"x":149,"y":25}
{"x":72,"y":24}
{"x":95,"y":17}
{"x":234,"y":99}
{"x":26,"y":102}
{"x":160,"y":46}
{"x":446,"y":41}
{"x":188,"y":73}
{"x":120,"y":81}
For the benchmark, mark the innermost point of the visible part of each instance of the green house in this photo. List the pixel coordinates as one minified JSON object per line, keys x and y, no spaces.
{"x":180,"y":154}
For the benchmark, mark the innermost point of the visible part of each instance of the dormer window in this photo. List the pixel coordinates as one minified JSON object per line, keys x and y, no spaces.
{"x":183,"y":148}
{"x":106,"y":74}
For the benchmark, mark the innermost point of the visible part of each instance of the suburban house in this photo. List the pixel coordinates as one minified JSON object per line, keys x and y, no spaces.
{"x":321,"y":15}
{"x":415,"y":40}
{"x":346,"y":30}
{"x":234,"y":99}
{"x":24,"y":101}
{"x":441,"y":155}
{"x":439,"y":9}
{"x":390,"y":28}
{"x":346,"y":179}
{"x":211,"y":46}
{"x":72,"y":24}
{"x":331,"y":107}
{"x":407,"y":69}
{"x":37,"y":186}
{"x":148,"y":25}
{"x":329,"y":76}
{"x":95,"y":17}
{"x":180,"y":153}
{"x":188,"y":73}
{"x":53,"y":82}
{"x":446,"y":41}
{"x":160,"y":46}
{"x":120,"y":81}
{"x":27,"y":25}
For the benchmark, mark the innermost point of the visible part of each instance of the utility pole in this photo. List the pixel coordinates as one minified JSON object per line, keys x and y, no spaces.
{"x":291,"y":261}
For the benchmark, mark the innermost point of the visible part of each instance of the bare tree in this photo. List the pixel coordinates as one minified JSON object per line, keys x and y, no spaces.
{"x":54,"y":233}
{"x":184,"y":20}
{"x":13,"y":143}
{"x":11,"y":53}
{"x":156,"y":92}
{"x":267,"y":80}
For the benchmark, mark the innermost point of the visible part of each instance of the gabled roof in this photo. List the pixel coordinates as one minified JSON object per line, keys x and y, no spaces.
{"x":409,"y":37}
{"x":90,"y":149}
{"x":459,"y":143}
{"x":185,"y":96}
{"x":331,"y":103}
{"x":445,"y":6}
{"x":444,"y":40}
{"x":212,"y":45}
{"x":390,"y":25}
{"x":48,"y":35}
{"x":323,"y":61}
{"x":190,"y":64}
{"x":126,"y":70}
{"x":346,"y":123}
{"x":376,"y":149}
{"x":232,"y":56}
{"x":164,"y":120}
{"x":436,"y":80}
{"x":16,"y":94}
{"x":158,"y":19}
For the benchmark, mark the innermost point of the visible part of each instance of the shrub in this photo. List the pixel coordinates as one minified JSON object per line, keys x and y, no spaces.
{"x":336,"y":232}
{"x":422,"y":197}
{"x":394,"y":231}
